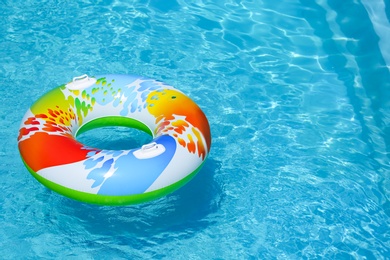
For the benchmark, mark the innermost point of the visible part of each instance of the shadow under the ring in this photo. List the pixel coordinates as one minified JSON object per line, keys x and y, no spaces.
{"x":187,"y":209}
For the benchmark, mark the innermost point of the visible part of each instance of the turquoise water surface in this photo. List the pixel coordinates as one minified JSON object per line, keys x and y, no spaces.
{"x":297,"y":93}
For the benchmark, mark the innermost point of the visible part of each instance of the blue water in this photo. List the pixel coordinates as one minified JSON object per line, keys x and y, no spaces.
{"x":297,"y":93}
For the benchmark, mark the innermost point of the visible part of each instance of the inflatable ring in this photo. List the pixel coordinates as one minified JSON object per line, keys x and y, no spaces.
{"x":49,"y":149}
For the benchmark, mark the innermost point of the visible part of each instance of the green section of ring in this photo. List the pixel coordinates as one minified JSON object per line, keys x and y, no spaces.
{"x":114,"y":121}
{"x":112,"y":200}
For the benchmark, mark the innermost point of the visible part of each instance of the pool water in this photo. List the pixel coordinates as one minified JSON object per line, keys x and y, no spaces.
{"x":297,"y":93}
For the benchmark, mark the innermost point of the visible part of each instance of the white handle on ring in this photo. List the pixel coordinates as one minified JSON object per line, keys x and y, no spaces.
{"x":149,"y":151}
{"x":81,"y":82}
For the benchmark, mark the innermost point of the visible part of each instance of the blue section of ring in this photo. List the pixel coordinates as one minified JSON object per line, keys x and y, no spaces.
{"x":133,"y":175}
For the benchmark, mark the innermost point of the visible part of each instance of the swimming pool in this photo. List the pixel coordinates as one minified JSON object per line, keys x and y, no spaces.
{"x":297,"y":96}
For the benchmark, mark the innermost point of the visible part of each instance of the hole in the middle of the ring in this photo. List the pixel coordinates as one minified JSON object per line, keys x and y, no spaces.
{"x":114,"y":138}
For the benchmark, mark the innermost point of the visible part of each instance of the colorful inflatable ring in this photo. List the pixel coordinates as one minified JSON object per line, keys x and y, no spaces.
{"x":49,"y":149}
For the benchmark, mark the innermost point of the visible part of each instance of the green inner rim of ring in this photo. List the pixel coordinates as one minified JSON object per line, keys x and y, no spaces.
{"x":114,"y":121}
